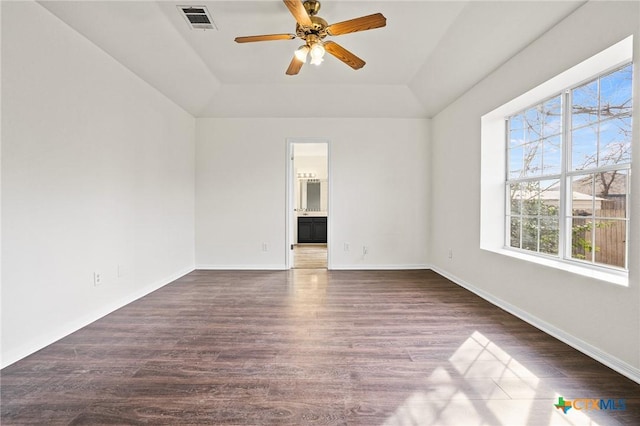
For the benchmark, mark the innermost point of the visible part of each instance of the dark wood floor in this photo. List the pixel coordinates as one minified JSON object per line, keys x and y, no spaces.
{"x":310,"y":347}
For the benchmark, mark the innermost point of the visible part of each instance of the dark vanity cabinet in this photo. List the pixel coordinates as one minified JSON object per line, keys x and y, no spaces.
{"x":312,"y":229}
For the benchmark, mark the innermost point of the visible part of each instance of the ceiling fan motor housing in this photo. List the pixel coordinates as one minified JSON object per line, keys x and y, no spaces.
{"x":318,"y":28}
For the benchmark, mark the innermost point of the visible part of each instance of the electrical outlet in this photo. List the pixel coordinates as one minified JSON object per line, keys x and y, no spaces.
{"x":365,"y":250}
{"x":265,"y":247}
{"x":346,"y":246}
{"x":97,"y":279}
{"x":450,"y":254}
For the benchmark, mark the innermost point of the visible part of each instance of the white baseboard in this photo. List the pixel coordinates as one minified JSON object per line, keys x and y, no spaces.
{"x":605,"y":358}
{"x":64,"y":330}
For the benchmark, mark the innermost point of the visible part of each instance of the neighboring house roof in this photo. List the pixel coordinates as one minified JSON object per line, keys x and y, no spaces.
{"x":551,"y":195}
{"x":583,"y":186}
{"x":618,"y":186}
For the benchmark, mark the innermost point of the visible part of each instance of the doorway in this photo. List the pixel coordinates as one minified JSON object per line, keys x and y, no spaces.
{"x":308,"y":206}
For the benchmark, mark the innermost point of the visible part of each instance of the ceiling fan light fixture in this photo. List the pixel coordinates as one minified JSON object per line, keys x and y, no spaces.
{"x":301,"y":53}
{"x":317,"y":53}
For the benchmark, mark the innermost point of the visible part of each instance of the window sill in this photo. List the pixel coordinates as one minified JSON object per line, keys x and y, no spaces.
{"x":610,"y":276}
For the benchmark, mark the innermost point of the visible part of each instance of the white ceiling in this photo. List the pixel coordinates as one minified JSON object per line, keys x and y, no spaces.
{"x":429,"y":53}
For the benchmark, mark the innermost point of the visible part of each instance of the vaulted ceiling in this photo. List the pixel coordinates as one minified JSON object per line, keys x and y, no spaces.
{"x":429,"y":53}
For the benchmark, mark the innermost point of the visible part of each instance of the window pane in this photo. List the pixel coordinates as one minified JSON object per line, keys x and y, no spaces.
{"x":552,"y":117}
{"x":530,"y":198}
{"x":530,"y":234}
{"x":584,"y":147}
{"x":516,"y":131}
{"x":551,"y":156}
{"x":615,"y":93}
{"x":582,"y":199}
{"x":515,"y":195}
{"x":585,"y":105}
{"x":611,"y":190}
{"x":549,"y":234}
{"x":549,"y":197}
{"x":581,"y":239}
{"x":610,"y":237}
{"x":533,"y":119}
{"x":515,"y":232}
{"x":516,"y":162}
{"x":615,"y":142}
{"x":532,"y":159}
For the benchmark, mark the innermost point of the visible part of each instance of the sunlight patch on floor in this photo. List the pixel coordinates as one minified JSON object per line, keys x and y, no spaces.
{"x":483,"y":385}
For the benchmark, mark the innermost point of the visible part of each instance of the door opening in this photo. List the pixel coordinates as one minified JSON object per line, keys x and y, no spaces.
{"x":308,"y":204}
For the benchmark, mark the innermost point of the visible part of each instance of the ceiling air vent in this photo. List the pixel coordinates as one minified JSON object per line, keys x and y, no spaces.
{"x":197,"y":17}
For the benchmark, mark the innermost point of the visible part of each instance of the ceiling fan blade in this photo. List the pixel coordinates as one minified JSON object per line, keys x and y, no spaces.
{"x":294,"y":66}
{"x":369,"y":22}
{"x":344,"y":55}
{"x":266,"y":37}
{"x":299,"y":12}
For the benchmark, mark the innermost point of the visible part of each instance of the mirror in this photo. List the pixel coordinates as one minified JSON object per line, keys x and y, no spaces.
{"x":312,"y":195}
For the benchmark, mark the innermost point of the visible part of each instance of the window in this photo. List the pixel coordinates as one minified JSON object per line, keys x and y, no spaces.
{"x":567,"y":173}
{"x":554,"y":183}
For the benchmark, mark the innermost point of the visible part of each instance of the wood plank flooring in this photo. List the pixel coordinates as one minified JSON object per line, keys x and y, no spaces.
{"x":310,"y":347}
{"x":310,"y":256}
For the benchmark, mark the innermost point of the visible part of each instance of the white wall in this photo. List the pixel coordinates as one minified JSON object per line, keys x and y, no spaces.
{"x":378,"y":195}
{"x":598,"y":317}
{"x":97,"y":175}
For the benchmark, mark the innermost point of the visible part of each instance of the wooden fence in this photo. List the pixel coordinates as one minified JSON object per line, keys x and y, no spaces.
{"x":610,"y":237}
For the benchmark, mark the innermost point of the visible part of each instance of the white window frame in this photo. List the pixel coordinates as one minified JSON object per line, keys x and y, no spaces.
{"x":493,"y":162}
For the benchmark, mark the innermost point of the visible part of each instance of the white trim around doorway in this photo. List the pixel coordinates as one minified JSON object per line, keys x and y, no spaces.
{"x":289,"y":207}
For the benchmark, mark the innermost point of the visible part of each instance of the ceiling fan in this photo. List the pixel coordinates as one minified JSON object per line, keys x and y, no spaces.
{"x":313,"y":30}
